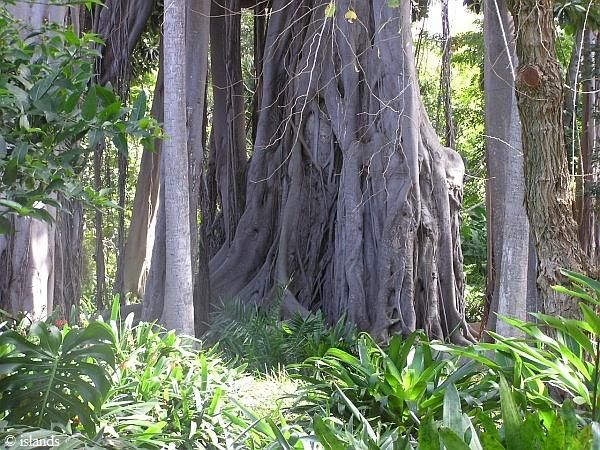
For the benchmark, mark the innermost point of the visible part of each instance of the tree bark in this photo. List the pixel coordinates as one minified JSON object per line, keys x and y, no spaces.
{"x":446,"y":77}
{"x":178,"y":312}
{"x":68,"y":259}
{"x":548,"y":193}
{"x":228,"y":134}
{"x":140,"y":243}
{"x":351,"y":202}
{"x":588,"y":218}
{"x":99,"y":258}
{"x":197,"y":37}
{"x":508,"y":226}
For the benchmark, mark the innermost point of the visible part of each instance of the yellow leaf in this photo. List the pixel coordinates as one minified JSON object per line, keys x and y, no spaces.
{"x":330,"y":9}
{"x":350,"y":16}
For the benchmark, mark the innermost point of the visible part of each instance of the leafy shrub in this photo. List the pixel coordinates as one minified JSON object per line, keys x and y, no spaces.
{"x":398,"y":385}
{"x":556,"y":354}
{"x":165,"y":391}
{"x":55,"y":379}
{"x":260,"y":339}
{"x":52,"y":115}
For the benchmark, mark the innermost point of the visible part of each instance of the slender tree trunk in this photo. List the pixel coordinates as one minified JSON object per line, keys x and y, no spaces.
{"x":548,"y":193}
{"x":178,"y":312}
{"x":120,"y":23}
{"x":197,"y":37}
{"x":446,"y":77}
{"x":572,"y":142}
{"x":508,"y":229}
{"x":99,"y":228}
{"x":140,"y":243}
{"x":587,"y":222}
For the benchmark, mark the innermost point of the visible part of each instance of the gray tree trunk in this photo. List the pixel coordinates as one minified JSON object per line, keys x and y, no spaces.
{"x":228,"y":126}
{"x":587,"y":198}
{"x":178,"y":312}
{"x":197,"y":37}
{"x":351,"y":202}
{"x":446,"y":78}
{"x":508,"y":229}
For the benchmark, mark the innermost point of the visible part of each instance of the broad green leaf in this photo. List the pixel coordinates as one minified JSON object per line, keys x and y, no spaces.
{"x":139,"y":107}
{"x":511,"y":418}
{"x":451,"y":440}
{"x":582,"y":279}
{"x":452,"y":410}
{"x":90,"y":105}
{"x":327,"y":437}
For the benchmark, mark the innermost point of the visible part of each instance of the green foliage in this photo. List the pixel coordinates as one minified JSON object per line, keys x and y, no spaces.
{"x":265,"y":343}
{"x":574,"y":14}
{"x":398,"y":385}
{"x":52,"y":378}
{"x":165,"y":390}
{"x":51,"y":117}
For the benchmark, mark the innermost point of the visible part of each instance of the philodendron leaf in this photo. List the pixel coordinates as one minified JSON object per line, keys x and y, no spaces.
{"x":51,"y":377}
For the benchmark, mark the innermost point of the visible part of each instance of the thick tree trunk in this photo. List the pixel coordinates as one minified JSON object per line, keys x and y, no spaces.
{"x":178,"y":312}
{"x":548,"y":194}
{"x":197,"y":37}
{"x":508,"y":226}
{"x":228,"y":133}
{"x":352,"y":203}
{"x":27,"y":267}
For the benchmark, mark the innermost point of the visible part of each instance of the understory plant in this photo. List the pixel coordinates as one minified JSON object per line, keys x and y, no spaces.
{"x":554,"y":358}
{"x":58,"y":379}
{"x":397,"y":385}
{"x":151,"y":388}
{"x":259,"y":338}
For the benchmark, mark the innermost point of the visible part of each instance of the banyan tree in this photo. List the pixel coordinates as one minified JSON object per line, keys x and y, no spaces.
{"x":346,"y":201}
{"x":330,"y":191}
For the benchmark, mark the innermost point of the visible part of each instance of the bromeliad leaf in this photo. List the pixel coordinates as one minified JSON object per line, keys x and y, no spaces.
{"x":49,"y":377}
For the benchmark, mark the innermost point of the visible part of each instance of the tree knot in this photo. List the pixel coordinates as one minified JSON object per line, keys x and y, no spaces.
{"x":530,"y":75}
